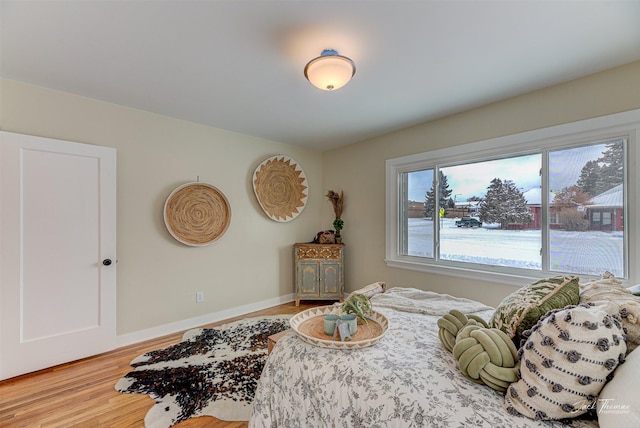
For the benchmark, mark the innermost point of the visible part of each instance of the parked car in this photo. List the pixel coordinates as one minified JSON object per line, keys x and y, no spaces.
{"x":468,"y":222}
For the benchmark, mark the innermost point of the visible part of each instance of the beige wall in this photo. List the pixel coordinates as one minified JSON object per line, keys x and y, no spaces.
{"x":252,"y":263}
{"x":158,"y":276}
{"x":359,"y":169}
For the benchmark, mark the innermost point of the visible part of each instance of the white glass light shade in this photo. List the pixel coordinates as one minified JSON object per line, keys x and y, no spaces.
{"x":330,"y":71}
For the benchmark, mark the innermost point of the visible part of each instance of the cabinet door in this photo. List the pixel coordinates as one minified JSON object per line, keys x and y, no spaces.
{"x":308,"y":277}
{"x":330,"y":278}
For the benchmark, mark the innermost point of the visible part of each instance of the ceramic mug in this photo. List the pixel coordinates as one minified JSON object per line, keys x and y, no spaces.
{"x":330,"y":323}
{"x":352,"y":322}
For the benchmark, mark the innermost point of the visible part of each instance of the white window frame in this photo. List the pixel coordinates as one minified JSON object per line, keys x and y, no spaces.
{"x":620,"y":125}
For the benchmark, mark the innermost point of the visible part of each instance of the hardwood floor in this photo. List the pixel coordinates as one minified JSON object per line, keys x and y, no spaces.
{"x":81,"y":393}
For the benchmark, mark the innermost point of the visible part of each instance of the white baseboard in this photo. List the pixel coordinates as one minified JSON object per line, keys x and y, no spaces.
{"x":163,"y":330}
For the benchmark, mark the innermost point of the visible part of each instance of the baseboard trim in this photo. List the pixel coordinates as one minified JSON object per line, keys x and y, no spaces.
{"x":163,"y":330}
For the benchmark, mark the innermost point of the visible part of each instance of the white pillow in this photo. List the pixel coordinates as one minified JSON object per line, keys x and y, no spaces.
{"x":567,"y":359}
{"x":369,"y":290}
{"x":616,"y":299}
{"x":619,"y":401}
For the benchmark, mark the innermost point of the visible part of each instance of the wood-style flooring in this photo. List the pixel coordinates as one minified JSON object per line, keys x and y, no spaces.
{"x":81,"y":393}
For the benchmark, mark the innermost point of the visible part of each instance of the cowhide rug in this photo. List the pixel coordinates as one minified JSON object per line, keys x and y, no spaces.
{"x":213,"y":371}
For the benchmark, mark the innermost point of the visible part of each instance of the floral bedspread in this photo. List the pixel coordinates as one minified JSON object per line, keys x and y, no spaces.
{"x":408,"y":379}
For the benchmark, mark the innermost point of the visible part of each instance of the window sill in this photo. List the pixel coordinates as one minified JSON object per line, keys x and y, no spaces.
{"x":514,"y":279}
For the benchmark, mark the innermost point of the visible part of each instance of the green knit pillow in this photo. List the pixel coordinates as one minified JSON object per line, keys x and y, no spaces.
{"x":520,"y":310}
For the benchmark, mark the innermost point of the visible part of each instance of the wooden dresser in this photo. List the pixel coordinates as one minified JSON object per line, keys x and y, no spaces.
{"x":319,"y":271}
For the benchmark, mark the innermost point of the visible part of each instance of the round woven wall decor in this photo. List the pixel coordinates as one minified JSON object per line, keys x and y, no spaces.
{"x":281,"y":188}
{"x":197,"y":214}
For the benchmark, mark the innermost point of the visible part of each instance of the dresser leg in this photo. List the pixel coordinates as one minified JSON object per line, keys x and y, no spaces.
{"x":297,"y":302}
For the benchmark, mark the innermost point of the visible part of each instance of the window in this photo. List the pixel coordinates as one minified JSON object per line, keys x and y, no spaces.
{"x":585,"y":179}
{"x":529,"y":205}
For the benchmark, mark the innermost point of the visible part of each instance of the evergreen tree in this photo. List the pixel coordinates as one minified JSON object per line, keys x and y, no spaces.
{"x":588,"y":180}
{"x":451,"y":203}
{"x":606,"y":172}
{"x":490,"y":207}
{"x":504,"y":203}
{"x":429,"y":203}
{"x":430,"y":198}
{"x":612,"y":170}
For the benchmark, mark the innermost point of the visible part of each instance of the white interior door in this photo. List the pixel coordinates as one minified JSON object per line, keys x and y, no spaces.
{"x":57,"y":252}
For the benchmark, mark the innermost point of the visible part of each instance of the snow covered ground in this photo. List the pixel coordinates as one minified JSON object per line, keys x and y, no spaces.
{"x":588,"y":253}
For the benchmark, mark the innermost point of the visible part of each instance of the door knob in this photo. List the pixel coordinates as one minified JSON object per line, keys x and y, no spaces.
{"x":106,"y":262}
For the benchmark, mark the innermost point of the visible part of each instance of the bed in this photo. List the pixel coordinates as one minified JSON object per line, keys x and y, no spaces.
{"x":408,"y":379}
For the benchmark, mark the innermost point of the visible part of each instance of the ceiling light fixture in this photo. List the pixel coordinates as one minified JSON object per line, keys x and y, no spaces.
{"x":329,"y":71}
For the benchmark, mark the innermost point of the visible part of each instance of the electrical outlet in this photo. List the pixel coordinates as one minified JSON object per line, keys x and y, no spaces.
{"x":199,"y":297}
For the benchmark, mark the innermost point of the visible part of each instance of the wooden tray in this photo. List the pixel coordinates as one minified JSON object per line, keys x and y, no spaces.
{"x":309,"y":325}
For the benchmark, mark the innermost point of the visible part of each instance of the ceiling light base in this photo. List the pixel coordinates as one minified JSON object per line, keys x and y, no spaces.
{"x":330,"y":71}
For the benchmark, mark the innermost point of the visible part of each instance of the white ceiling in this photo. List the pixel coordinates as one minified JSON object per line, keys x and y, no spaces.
{"x":238,"y":65}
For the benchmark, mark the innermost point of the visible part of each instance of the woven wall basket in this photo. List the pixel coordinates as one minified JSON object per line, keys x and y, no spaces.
{"x":197,"y":214}
{"x":281,"y":188}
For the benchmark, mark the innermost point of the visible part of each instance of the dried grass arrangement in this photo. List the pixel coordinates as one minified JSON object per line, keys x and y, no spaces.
{"x":337,"y":200}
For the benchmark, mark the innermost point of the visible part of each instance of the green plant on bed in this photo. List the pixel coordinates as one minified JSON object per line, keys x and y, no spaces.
{"x":358,"y":305}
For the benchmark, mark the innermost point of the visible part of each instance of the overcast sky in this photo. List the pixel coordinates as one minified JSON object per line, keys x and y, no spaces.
{"x":470,"y":180}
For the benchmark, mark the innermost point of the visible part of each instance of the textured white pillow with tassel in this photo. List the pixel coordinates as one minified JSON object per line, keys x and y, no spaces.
{"x":566,"y":360}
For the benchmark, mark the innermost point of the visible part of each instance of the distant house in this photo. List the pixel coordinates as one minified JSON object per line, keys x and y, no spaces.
{"x":606,"y":210}
{"x":534,"y":202}
{"x":463,"y":209}
{"x":415,"y":209}
{"x":469,"y":207}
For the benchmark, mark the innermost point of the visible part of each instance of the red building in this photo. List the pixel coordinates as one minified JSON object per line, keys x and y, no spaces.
{"x":534,"y":202}
{"x":606,"y":212}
